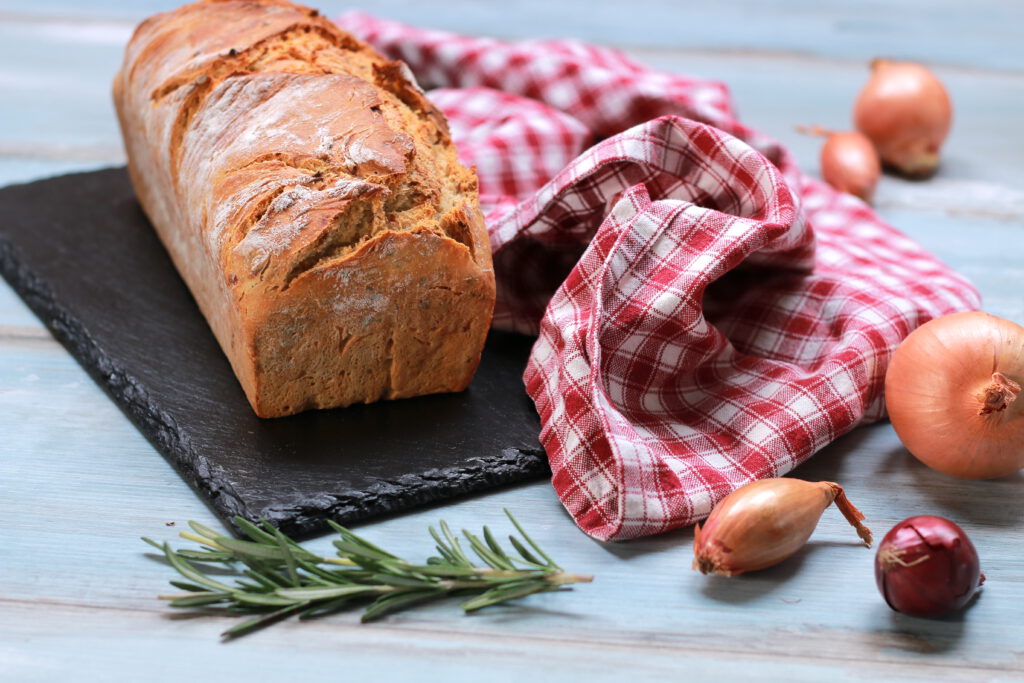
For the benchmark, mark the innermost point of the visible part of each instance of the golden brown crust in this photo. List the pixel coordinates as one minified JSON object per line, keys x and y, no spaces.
{"x":311,"y":198}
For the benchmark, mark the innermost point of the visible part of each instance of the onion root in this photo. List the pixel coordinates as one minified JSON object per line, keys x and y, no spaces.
{"x":891,"y":557}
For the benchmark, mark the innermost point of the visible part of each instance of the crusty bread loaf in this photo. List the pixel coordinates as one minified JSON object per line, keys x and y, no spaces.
{"x":311,"y":198}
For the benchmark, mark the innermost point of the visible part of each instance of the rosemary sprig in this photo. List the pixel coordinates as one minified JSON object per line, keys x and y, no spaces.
{"x":274,"y":577}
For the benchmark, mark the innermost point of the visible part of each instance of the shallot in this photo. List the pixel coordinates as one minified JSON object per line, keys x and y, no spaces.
{"x":951,"y":390}
{"x":849,"y":162}
{"x":927,"y":567}
{"x":764,"y":522}
{"x":905,"y":110}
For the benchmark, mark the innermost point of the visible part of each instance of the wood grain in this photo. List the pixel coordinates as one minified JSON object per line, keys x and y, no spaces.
{"x":982,"y":34}
{"x":79,"y":484}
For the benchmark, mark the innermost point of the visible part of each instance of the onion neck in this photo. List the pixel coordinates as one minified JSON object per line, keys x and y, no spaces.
{"x":997,"y":396}
{"x":852,"y":514}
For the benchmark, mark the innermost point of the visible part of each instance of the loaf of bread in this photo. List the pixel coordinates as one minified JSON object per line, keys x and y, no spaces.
{"x":311,"y":198}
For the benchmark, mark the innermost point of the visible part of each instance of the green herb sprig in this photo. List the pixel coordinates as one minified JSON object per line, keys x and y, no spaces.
{"x":276,"y":578}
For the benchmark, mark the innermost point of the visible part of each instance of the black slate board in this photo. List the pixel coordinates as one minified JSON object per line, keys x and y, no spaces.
{"x":81,"y":253}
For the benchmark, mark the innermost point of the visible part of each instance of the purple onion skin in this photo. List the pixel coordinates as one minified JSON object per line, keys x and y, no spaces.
{"x":927,"y":567}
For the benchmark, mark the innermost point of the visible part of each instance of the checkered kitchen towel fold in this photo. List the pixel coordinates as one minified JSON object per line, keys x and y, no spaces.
{"x":707,"y":314}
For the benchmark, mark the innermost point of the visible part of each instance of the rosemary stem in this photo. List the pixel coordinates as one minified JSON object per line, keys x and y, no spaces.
{"x":557,"y":579}
{"x":562,"y":578}
{"x":500,"y":573}
{"x":454,"y":585}
{"x":200,"y":539}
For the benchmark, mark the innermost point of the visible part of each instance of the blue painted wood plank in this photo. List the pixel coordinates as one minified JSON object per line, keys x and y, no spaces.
{"x":14,"y":313}
{"x":62,"y":103}
{"x":984,"y":34}
{"x":168,"y":650}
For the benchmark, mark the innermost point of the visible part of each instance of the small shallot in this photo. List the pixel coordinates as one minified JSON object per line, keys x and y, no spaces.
{"x":850,"y":163}
{"x":905,"y":110}
{"x":764,"y":522}
{"x":927,"y":567}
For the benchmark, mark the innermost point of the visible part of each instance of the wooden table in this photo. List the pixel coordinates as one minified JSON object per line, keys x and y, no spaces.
{"x":79,"y":485}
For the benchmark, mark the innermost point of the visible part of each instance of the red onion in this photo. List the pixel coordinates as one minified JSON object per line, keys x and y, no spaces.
{"x":927,"y":567}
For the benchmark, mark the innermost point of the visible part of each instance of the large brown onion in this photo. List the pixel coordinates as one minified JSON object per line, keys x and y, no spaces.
{"x":951,"y":391}
{"x":905,"y":110}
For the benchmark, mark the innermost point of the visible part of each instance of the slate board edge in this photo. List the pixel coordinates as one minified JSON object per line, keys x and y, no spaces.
{"x":157,"y":426}
{"x":512,"y":466}
{"x":388,"y":496}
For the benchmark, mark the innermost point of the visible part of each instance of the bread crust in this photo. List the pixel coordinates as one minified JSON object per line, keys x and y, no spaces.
{"x":311,"y":198}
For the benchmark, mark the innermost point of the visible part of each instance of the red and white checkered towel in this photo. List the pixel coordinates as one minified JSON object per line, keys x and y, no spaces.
{"x":707,"y":314}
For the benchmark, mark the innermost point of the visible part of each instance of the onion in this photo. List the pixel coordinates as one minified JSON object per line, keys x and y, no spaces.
{"x":850,"y":163}
{"x":905,"y":110}
{"x":951,"y":392}
{"x":927,"y":567}
{"x":762,"y":523}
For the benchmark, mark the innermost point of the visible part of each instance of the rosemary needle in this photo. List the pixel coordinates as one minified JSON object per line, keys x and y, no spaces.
{"x":275,"y":577}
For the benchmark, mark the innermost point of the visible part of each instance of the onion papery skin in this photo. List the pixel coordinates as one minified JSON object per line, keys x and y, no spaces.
{"x":935,"y":388}
{"x":927,"y":567}
{"x":905,"y":110}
